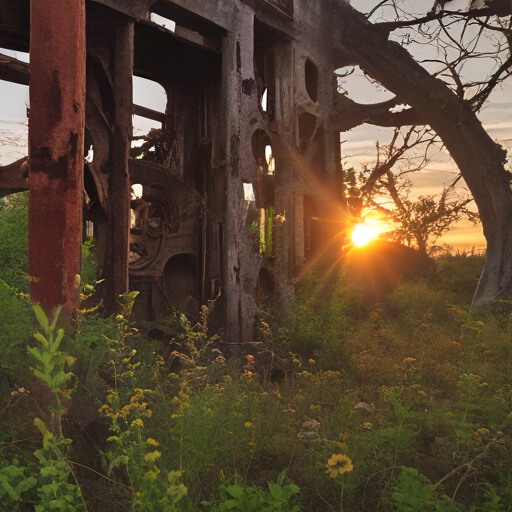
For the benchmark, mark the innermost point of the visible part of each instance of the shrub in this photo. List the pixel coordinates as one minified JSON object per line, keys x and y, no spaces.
{"x":14,"y":240}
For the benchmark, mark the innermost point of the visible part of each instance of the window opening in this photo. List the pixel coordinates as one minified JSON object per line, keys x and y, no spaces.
{"x":137,"y":191}
{"x":149,"y":104}
{"x":90,"y":155}
{"x":14,"y":114}
{"x":264,"y":100}
{"x":163,"y":22}
{"x":271,"y":162}
{"x":265,"y":40}
{"x":311,"y":76}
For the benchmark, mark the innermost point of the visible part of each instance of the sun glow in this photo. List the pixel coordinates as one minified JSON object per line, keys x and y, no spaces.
{"x":372,"y":225}
{"x":362,"y":234}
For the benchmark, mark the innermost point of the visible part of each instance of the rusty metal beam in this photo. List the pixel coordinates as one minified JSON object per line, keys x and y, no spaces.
{"x":118,"y":243}
{"x":148,"y":113}
{"x":56,"y":131}
{"x":14,"y":70}
{"x":14,"y":177}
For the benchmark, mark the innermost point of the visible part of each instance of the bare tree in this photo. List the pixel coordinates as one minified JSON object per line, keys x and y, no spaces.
{"x":446,"y":99}
{"x":386,"y":187}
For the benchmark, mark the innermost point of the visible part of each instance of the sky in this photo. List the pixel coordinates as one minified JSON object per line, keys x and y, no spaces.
{"x":358,"y":145}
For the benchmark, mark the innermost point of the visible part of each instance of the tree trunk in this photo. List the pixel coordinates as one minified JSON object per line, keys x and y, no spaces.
{"x":479,"y":158}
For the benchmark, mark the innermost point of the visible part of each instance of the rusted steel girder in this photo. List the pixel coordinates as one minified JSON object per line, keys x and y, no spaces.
{"x":118,"y":227}
{"x":56,"y":131}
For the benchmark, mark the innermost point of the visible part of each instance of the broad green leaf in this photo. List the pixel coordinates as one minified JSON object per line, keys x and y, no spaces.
{"x":46,"y":357}
{"x":70,"y":360}
{"x":10,"y":491}
{"x":229,"y":505}
{"x":11,"y":471}
{"x":57,"y":341}
{"x":281,"y":477}
{"x":295,"y":489}
{"x":55,"y":317}
{"x":41,"y":317}
{"x":49,"y":471}
{"x":39,"y":337}
{"x":235,"y":490}
{"x":26,"y":484}
{"x":59,"y":379}
{"x":42,"y":376}
{"x":35,"y":352}
{"x":276,"y":491}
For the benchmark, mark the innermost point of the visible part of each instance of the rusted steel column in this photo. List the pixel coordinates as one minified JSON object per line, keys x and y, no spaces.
{"x":118,"y":241}
{"x":56,"y":130}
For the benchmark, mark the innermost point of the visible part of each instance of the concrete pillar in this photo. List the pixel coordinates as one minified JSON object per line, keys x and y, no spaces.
{"x":56,"y":131}
{"x":118,"y":226}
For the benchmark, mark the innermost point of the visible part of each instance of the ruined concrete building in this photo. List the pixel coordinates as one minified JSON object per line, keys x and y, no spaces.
{"x":233,"y":187}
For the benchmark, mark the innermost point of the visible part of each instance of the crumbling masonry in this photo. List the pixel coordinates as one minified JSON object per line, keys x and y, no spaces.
{"x":217,"y":214}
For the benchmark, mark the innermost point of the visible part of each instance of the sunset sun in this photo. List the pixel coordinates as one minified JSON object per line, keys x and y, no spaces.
{"x":362,"y":234}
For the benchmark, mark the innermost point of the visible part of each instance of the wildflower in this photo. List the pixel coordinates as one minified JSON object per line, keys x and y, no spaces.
{"x":310,"y":425}
{"x":137,"y":423}
{"x":311,"y":362}
{"x":152,"y":442}
{"x":252,"y":444}
{"x":482,"y":435}
{"x":309,"y":436}
{"x":151,"y":476}
{"x":151,"y":457}
{"x":409,"y":360}
{"x":422,"y":393}
{"x":363,"y":407}
{"x":338,"y":464}
{"x":113,"y":438}
{"x":248,"y":424}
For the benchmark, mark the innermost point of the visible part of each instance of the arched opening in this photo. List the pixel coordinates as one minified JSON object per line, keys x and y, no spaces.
{"x":265,"y":169}
{"x":149,"y":103}
{"x":180,"y":282}
{"x":266,"y":285}
{"x":311,"y":77}
{"x":137,"y":191}
{"x":265,"y":40}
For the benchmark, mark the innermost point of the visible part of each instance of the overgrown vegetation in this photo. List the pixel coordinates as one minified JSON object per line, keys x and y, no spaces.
{"x":343,"y":404}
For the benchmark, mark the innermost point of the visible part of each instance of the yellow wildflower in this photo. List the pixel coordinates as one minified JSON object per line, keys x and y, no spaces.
{"x":152,"y":442}
{"x":113,"y":438}
{"x":137,"y":423}
{"x":151,"y":476}
{"x":338,"y":464}
{"x":248,"y":424}
{"x":151,"y":457}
